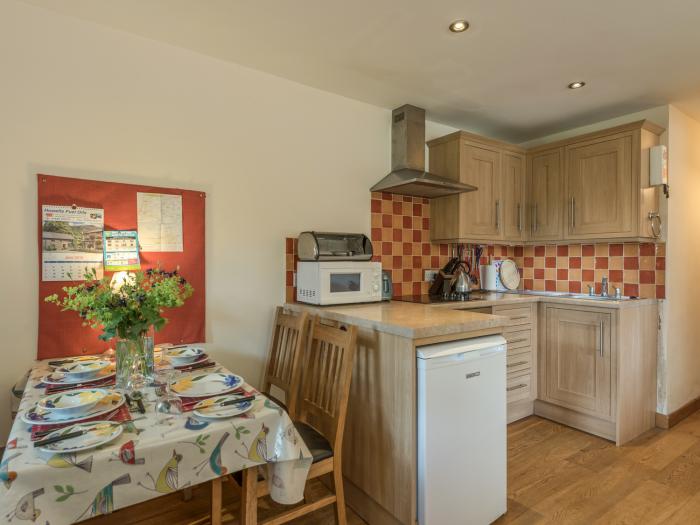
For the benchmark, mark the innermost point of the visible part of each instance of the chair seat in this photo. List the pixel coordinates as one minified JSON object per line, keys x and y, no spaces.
{"x":319,"y":446}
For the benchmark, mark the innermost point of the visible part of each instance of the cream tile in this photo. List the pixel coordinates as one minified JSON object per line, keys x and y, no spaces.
{"x":647,"y":262}
{"x":647,"y":290}
{"x":630,"y":276}
{"x":562,"y":262}
{"x":550,"y":274}
{"x":528,"y":273}
{"x":616,"y":263}
{"x":562,"y":286}
{"x":601,"y":250}
{"x":550,"y":250}
{"x":574,"y":250}
{"x":587,"y":263}
{"x":574,"y":275}
{"x":631,"y":249}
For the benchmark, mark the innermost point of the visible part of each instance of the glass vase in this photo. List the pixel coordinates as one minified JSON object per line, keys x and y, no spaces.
{"x":134,"y":358}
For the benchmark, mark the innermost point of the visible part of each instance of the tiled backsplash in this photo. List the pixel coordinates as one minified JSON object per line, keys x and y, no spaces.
{"x":401,"y":242}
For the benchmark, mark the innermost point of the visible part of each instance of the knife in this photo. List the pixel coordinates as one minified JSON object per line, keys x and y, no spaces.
{"x":232,"y":402}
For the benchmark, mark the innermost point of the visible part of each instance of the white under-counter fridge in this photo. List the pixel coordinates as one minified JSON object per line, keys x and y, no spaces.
{"x":462,"y":456}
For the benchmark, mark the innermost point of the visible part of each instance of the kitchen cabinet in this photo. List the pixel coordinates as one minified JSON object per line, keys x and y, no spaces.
{"x":578,"y":357}
{"x":545,"y":194}
{"x":495,"y":212}
{"x":593,"y":187}
{"x":513,"y":195}
{"x":600,"y":184}
{"x":597,"y":368}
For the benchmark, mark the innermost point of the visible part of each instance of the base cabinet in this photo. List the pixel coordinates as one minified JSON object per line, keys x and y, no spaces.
{"x":578,"y":357}
{"x":597,"y":369}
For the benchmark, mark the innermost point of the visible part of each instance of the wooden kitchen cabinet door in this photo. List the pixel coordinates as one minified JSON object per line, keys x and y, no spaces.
{"x":545,"y":195}
{"x":481,"y":210}
{"x":578,"y":360}
{"x":513,"y":191}
{"x":600,"y":189}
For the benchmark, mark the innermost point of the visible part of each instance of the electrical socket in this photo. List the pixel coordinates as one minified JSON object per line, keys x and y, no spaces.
{"x":429,"y":275}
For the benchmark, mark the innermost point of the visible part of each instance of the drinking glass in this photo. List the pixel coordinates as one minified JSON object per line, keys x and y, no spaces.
{"x":167,"y":403}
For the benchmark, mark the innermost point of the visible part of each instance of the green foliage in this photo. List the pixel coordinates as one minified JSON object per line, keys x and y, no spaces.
{"x":130,"y":311}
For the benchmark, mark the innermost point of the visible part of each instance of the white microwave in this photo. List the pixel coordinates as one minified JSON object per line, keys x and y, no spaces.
{"x":339,"y":282}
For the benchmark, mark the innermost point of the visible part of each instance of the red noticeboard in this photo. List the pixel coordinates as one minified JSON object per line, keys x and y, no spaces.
{"x":62,"y":333}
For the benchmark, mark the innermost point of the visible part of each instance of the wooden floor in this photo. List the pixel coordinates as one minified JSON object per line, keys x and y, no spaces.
{"x":555,"y":475}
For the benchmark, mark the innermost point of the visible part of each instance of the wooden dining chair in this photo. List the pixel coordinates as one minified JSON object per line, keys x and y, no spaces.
{"x":327,"y":364}
{"x":283,"y":369}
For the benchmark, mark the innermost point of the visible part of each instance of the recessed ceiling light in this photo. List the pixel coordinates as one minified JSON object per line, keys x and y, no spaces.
{"x":577,"y":84}
{"x":459,"y":26}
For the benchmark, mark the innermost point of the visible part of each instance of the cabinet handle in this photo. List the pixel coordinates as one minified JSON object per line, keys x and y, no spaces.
{"x":522,"y":339}
{"x":535,"y":225}
{"x":516,"y":364}
{"x":600,"y":339}
{"x":520,"y":219}
{"x":498,"y":213}
{"x":572,"y":213}
{"x":519,"y":318}
{"x":516,"y":387}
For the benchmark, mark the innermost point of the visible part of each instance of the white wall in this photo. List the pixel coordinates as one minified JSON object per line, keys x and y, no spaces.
{"x":682,"y":330}
{"x":274,"y":158}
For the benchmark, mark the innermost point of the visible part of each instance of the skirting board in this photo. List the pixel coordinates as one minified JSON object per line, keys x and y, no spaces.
{"x":519,"y":409}
{"x":669,"y":420}
{"x":590,"y":424}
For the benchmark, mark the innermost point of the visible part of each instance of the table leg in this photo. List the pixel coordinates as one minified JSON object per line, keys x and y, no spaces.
{"x":249,"y":497}
{"x":216,"y":503}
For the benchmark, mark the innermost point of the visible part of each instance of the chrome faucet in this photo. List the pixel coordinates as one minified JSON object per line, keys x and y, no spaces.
{"x":604,"y":287}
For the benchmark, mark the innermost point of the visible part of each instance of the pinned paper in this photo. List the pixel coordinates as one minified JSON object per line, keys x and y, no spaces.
{"x":121,"y":250}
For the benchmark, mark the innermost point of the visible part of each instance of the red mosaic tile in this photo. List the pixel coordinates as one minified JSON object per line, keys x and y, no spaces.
{"x":587,"y":275}
{"x":575,"y":286}
{"x":631,"y":263}
{"x":407,"y":248}
{"x":387,"y":220}
{"x":615,"y":250}
{"x":397,"y":235}
{"x":416,"y":288}
{"x":574,"y":262}
{"x":631,"y":290}
{"x":407,"y":275}
{"x":528,"y":284}
{"x":290,"y":278}
{"x":435,"y":261}
{"x":528,"y":262}
{"x":615,"y":276}
{"x":539,"y":251}
{"x":397,"y":262}
{"x":426,"y":249}
{"x":386,"y":196}
{"x":289,"y":246}
{"x":444,"y":249}
{"x":550,"y":286}
{"x":417,"y":210}
{"x":426,"y":223}
{"x":562,"y":251}
{"x":519,"y":250}
{"x":376,"y":206}
{"x":647,"y":276}
{"x":539,"y":273}
{"x":601,"y":263}
{"x":647,"y":249}
{"x":562,"y":274}
{"x":660,"y":291}
{"x":386,"y":248}
{"x":416,"y":236}
{"x":397,"y":289}
{"x":661,"y":263}
{"x":587,"y":250}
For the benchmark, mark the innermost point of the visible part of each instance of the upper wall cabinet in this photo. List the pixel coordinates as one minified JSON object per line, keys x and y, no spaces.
{"x":591,"y":187}
{"x":545,"y":193}
{"x":496,"y":211}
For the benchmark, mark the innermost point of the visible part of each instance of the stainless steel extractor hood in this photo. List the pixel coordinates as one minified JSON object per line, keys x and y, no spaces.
{"x":408,"y":175}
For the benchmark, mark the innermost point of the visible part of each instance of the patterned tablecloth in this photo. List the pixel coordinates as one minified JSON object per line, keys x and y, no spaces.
{"x":148,"y":460}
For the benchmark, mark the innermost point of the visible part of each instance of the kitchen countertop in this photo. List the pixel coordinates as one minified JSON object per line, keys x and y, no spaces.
{"x":496,"y":299}
{"x":416,"y":321}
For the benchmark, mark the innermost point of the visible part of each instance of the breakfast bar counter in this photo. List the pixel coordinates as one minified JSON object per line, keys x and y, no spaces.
{"x":413,"y":321}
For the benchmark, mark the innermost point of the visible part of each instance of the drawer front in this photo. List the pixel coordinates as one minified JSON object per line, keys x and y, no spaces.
{"x":519,"y":362}
{"x":518,"y":316}
{"x":518,"y":339}
{"x":518,"y":388}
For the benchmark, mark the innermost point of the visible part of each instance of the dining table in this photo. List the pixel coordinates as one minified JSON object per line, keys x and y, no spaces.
{"x":154,"y":455}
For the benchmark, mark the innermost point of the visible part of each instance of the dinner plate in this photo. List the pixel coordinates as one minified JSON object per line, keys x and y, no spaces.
{"x":200,"y":359}
{"x":84,"y":369}
{"x":206,"y":408}
{"x":73,"y":402}
{"x":184,"y":356}
{"x":99,"y":433}
{"x":56,"y":378}
{"x":206,"y":385}
{"x":36,"y":416}
{"x":67,"y":361}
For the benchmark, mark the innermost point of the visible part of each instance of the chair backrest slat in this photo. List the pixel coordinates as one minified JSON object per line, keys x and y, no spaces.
{"x":284,"y":362}
{"x":328,"y":362}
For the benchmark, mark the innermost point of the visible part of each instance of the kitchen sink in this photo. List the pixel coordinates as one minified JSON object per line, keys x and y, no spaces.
{"x":598,"y":297}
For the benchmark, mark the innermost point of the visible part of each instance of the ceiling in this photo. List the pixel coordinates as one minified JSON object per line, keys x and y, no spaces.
{"x":505,"y":77}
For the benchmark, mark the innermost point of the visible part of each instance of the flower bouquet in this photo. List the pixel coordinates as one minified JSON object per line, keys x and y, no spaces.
{"x":127,"y":307}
